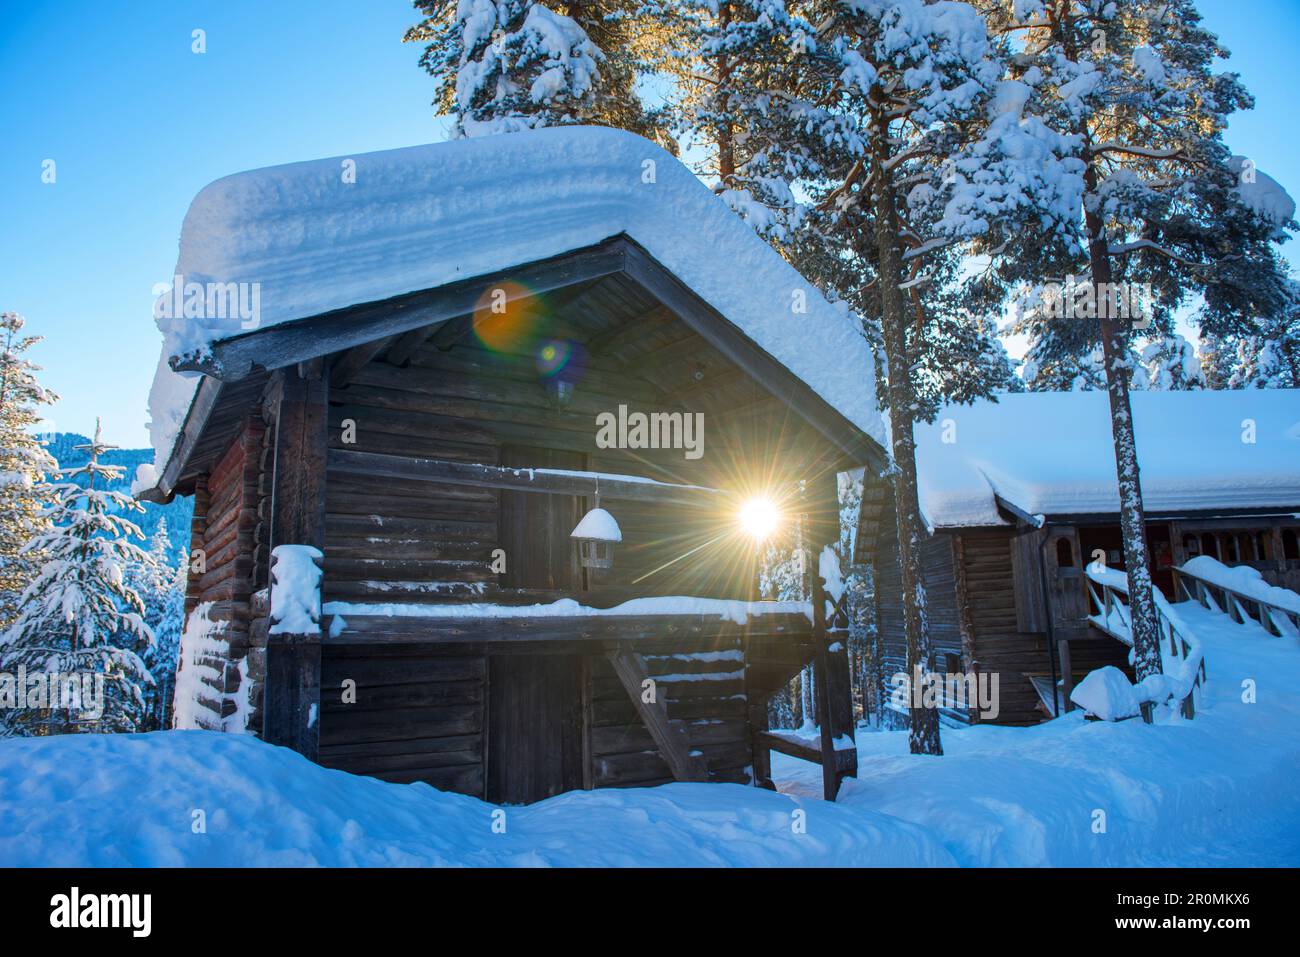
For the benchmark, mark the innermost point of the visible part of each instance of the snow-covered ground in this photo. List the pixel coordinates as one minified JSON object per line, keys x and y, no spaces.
{"x":1219,"y":790}
{"x":1216,"y":791}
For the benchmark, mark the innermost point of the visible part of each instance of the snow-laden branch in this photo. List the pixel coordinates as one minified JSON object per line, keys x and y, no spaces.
{"x":1123,"y":249}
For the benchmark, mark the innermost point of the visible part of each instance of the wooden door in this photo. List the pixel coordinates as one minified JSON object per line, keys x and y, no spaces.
{"x":535,"y":701}
{"x":535,"y":727}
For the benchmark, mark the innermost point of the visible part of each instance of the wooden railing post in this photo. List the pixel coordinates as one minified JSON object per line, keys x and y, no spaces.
{"x":291,"y":704}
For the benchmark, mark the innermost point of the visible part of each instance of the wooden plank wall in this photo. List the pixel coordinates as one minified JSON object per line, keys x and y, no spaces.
{"x":386,"y":540}
{"x":415,"y":717}
{"x":421,"y":716}
{"x":938,"y":576}
{"x":704,"y":687}
{"x":1001,"y":643}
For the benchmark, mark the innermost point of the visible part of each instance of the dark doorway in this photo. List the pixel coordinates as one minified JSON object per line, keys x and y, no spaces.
{"x":535,"y":727}
{"x":1097,"y":541}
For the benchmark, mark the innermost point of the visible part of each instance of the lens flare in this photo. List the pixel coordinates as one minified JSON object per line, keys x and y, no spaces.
{"x":507,"y":316}
{"x":759,"y":517}
{"x":553,"y":356}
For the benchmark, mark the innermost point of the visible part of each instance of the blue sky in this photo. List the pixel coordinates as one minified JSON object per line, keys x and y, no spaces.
{"x":137,"y":124}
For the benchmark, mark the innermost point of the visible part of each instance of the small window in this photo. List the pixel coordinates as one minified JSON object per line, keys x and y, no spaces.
{"x":1290,"y":551}
{"x":1192,"y":545}
{"x":1064,"y":553}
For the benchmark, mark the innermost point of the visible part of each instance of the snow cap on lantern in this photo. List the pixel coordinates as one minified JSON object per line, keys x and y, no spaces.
{"x":596,"y":535}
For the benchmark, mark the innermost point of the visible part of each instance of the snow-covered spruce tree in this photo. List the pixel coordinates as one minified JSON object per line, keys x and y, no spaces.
{"x":160,"y":583}
{"x":1268,"y":359}
{"x":1170,"y":363}
{"x":79,"y":615}
{"x":507,"y":65}
{"x":24,"y":465}
{"x":1165,"y":205}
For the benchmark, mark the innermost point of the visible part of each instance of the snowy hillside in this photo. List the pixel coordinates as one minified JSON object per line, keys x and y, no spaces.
{"x":1215,"y":791}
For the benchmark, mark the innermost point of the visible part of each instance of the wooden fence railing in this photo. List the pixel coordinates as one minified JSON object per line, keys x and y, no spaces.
{"x":1273,"y":618}
{"x":1111,"y":600}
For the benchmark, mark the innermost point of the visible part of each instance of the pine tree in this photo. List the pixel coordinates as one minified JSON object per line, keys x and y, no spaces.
{"x":24,"y":465}
{"x":1170,"y":363}
{"x":1164,"y":205}
{"x":503,"y":66}
{"x":79,"y":615}
{"x":161,"y":584}
{"x":944,"y":162}
{"x":1267,"y":359}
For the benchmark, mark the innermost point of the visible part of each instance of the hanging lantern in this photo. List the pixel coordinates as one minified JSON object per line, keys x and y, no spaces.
{"x":596,"y":536}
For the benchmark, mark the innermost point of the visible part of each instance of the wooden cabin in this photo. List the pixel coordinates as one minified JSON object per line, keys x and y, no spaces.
{"x":1020,"y":497}
{"x":429,"y":406}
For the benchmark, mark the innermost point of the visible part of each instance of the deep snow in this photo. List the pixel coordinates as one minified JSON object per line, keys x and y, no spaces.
{"x":1218,"y":790}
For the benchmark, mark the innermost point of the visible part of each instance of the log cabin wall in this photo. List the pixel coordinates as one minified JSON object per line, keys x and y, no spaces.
{"x":428,"y":715}
{"x":988,"y":610}
{"x":225,"y":514}
{"x":938,"y":575}
{"x":1001,"y":646}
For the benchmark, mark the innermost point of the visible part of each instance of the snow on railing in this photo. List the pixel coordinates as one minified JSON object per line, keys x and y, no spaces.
{"x":1276,"y":609}
{"x":1183,"y":662}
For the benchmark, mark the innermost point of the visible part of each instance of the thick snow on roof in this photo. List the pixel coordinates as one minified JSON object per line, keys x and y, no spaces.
{"x":420,"y":217}
{"x":1050,"y":453}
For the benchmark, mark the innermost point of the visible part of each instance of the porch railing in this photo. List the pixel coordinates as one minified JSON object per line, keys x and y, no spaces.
{"x":1108,"y":590}
{"x":1273,"y":618}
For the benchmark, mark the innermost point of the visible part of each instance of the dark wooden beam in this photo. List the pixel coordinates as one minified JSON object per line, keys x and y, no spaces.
{"x":291,"y":698}
{"x":669,"y":736}
{"x":347,"y":365}
{"x":287,"y":343}
{"x":522,"y":480}
{"x":586,"y":633}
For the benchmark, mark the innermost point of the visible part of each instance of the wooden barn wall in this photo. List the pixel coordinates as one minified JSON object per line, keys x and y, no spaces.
{"x":392,"y":540}
{"x":225,"y":515}
{"x":937,"y":574}
{"x":1001,"y":645}
{"x":992,"y":577}
{"x":421,"y":715}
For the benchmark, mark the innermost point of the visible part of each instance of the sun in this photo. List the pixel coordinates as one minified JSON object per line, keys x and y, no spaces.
{"x":760,"y":517}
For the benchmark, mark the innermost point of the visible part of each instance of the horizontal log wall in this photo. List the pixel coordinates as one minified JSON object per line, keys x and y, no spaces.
{"x":420,"y":713}
{"x":221,"y":570}
{"x":938,"y":576}
{"x":393,"y":540}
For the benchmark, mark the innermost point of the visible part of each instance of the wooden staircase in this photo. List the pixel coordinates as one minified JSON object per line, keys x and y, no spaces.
{"x":1113,"y":618}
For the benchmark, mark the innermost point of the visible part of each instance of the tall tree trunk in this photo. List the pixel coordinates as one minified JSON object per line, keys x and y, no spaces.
{"x":923,"y":731}
{"x":726,"y":141}
{"x":1145,"y":627}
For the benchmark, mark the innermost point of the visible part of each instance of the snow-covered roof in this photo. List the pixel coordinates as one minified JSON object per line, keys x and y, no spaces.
{"x":1050,"y":453}
{"x":424,"y":216}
